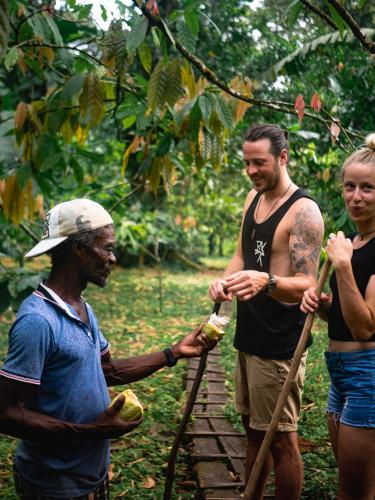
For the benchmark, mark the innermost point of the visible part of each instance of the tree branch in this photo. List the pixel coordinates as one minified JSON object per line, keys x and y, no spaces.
{"x":353,"y":25}
{"x":320,"y":13}
{"x":282,"y":107}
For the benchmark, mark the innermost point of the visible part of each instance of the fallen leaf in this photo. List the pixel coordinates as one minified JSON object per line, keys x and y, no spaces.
{"x":149,"y":483}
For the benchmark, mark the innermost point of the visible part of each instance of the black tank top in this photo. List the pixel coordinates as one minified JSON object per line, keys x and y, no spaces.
{"x":266,"y":327}
{"x":363,"y":265}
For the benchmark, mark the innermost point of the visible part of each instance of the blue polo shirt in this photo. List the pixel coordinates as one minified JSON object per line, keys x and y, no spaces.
{"x":51,"y":347}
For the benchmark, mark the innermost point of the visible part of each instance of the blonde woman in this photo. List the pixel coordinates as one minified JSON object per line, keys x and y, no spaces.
{"x":350,"y":312}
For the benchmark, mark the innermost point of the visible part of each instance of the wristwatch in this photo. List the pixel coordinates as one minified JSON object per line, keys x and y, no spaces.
{"x":271,"y":285}
{"x":171,"y":360}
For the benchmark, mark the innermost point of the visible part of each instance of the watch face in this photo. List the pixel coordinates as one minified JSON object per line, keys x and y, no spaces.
{"x":271,"y":285}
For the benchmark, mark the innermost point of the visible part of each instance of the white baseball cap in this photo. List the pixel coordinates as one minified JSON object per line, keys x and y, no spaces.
{"x":69,"y":218}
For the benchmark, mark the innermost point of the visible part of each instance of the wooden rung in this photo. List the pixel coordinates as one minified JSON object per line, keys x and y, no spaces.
{"x":208,"y":370}
{"x":217,"y":456}
{"x":213,"y":433}
{"x":221,"y":379}
{"x":207,"y":415}
{"x":221,"y":485}
{"x":214,"y":393}
{"x":205,"y":402}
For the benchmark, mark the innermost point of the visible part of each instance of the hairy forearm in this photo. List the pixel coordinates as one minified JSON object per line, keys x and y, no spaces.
{"x":125,"y":371}
{"x":354,"y":309}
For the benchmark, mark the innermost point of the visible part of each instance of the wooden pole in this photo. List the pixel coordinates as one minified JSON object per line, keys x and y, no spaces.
{"x":168,"y":488}
{"x":258,"y":464}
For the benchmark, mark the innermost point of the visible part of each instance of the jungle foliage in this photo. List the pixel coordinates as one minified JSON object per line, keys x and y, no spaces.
{"x":147,"y":116}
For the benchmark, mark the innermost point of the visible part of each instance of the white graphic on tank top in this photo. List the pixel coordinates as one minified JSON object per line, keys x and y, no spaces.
{"x":259,"y":251}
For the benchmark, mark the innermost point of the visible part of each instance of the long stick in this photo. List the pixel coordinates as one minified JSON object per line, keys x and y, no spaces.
{"x":251,"y":485}
{"x":185,"y":419}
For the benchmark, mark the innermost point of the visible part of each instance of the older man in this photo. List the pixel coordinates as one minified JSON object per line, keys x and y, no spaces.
{"x":53,"y":384}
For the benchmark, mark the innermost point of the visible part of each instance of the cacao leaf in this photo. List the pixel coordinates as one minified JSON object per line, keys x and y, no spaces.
{"x":154,"y":174}
{"x":73,"y":86}
{"x":91,"y":101}
{"x":21,"y":114}
{"x":168,"y":173}
{"x":217,"y":152}
{"x":326,"y":174}
{"x":157,"y":86}
{"x":224,"y":112}
{"x":145,"y":56}
{"x":137,"y":34}
{"x":77,"y":170}
{"x":4,"y":26}
{"x":205,"y":107}
{"x":192,"y":21}
{"x":54,"y":29}
{"x":188,"y":80}
{"x":11,"y":58}
{"x":185,"y":36}
{"x":316,"y":103}
{"x":173,"y":86}
{"x":337,"y":19}
{"x":335,"y":131}
{"x":299,"y":106}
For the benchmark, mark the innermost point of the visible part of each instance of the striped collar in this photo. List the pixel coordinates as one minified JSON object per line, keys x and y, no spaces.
{"x":49,"y":295}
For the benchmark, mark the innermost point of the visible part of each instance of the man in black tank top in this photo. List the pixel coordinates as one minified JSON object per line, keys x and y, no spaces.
{"x":276,"y":260}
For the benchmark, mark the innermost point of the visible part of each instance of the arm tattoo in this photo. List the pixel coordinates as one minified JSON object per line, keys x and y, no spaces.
{"x":306,"y":236}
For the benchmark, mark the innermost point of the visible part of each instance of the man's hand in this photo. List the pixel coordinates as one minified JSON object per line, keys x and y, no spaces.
{"x":245,"y":284}
{"x":110,"y":425}
{"x":194,"y":344}
{"x":216,"y":292}
{"x":311,"y":302}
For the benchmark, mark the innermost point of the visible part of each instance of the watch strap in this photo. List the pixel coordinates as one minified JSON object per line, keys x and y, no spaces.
{"x":171,"y":360}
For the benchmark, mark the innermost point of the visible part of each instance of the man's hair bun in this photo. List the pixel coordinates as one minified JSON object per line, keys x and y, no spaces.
{"x":370,"y":141}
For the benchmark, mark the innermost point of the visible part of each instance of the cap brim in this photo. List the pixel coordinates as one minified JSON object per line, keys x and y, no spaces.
{"x":44,"y":246}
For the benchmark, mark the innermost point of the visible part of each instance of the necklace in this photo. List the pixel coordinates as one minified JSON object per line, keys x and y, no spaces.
{"x":269,"y":211}
{"x":362,"y":235}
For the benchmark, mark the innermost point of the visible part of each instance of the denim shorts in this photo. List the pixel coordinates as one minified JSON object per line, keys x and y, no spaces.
{"x":352,"y":393}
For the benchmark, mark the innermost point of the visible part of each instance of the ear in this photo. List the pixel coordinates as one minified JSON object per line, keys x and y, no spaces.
{"x":77,"y":250}
{"x":283,"y":157}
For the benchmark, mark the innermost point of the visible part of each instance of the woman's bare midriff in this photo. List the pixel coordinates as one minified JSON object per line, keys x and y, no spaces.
{"x":341,"y":346}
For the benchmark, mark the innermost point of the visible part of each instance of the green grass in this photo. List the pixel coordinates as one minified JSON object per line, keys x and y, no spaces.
{"x":137,"y":319}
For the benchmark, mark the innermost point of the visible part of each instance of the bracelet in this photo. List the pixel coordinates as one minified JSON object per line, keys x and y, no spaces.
{"x":171,"y":360}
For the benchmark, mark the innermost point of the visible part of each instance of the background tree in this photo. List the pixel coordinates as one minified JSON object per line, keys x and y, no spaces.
{"x":133,"y":117}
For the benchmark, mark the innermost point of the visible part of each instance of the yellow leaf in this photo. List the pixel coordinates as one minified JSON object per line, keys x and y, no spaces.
{"x":188,"y":81}
{"x":131,"y":149}
{"x":326,"y":175}
{"x":66,"y":130}
{"x":21,"y":114}
{"x":49,"y":53}
{"x":242,"y":106}
{"x":81,"y":134}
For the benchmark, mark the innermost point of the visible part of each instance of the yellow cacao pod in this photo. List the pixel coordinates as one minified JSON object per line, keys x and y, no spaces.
{"x":212,"y":331}
{"x":132,"y":408}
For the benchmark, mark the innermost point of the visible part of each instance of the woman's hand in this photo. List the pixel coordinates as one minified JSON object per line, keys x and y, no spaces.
{"x":339,"y":250}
